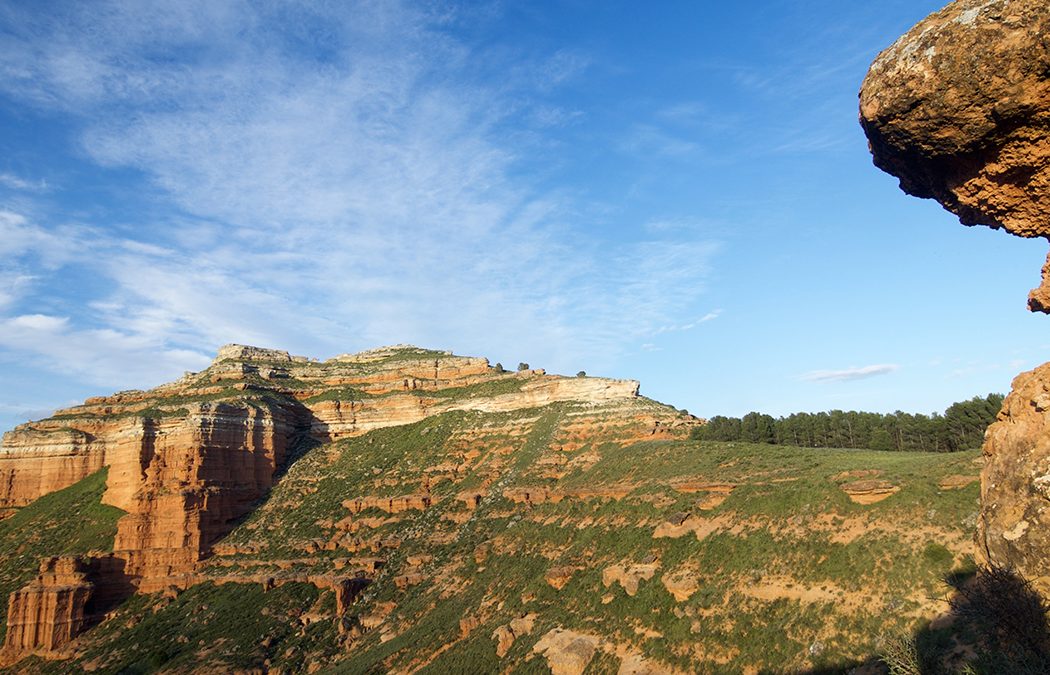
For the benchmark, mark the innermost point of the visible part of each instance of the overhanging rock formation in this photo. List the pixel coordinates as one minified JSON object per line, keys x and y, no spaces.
{"x":959,"y":110}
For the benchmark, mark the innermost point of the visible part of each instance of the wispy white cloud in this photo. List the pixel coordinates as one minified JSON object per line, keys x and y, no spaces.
{"x":710,"y":316}
{"x":96,"y":355}
{"x":49,"y":247}
{"x":28,"y":411}
{"x":850,"y":374}
{"x":14,"y":182}
{"x":12,"y":286}
{"x":356,"y":192}
{"x":652,"y":139}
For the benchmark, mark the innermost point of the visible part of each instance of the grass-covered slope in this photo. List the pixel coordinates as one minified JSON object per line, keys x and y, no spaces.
{"x":66,"y":522}
{"x":774,"y":565}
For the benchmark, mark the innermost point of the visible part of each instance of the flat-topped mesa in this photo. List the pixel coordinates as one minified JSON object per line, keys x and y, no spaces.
{"x":190,"y":459}
{"x":336,"y":418}
{"x":221,"y":436}
{"x":235,"y":352}
{"x":348,"y":395}
{"x":959,"y":110}
{"x":390,"y":351}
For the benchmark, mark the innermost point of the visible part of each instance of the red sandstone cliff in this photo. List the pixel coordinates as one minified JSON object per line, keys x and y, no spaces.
{"x":48,"y":613}
{"x":188,"y":459}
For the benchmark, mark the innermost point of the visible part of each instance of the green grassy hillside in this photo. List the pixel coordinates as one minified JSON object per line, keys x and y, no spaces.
{"x":66,"y":522}
{"x":775,"y":567}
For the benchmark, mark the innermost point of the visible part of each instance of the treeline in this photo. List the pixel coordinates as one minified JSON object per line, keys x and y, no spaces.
{"x":961,"y":427}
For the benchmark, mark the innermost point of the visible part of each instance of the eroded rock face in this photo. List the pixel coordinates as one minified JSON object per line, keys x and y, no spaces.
{"x":567,"y":652}
{"x":1014,"y":524}
{"x":48,"y":613}
{"x":959,"y":110}
{"x":35,"y":462}
{"x":219,"y":459}
{"x":629,"y":576}
{"x":187,"y":460}
{"x":68,"y":595}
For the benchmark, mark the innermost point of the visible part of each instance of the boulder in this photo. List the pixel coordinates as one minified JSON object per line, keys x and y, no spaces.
{"x":567,"y":652}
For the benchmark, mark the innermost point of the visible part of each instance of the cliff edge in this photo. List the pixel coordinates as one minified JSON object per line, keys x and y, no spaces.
{"x":189,"y":460}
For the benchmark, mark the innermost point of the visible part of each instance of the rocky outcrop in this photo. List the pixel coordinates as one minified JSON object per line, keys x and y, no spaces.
{"x":1014,"y":523}
{"x":183,"y":476}
{"x":48,"y":613}
{"x":34,"y":462}
{"x":959,"y":110}
{"x":681,"y":584}
{"x":349,"y":395}
{"x":69,"y":595}
{"x":242,"y":353}
{"x":559,"y":577}
{"x":389,"y":504}
{"x":629,"y":576}
{"x":869,"y":491}
{"x":190,"y":480}
{"x":190,"y":459}
{"x":567,"y":652}
{"x":506,"y":635}
{"x":340,"y":418}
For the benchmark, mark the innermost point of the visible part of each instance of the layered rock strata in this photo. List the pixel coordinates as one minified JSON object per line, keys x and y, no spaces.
{"x":191,"y":479}
{"x":52,"y":610}
{"x":959,"y":110}
{"x":69,"y":595}
{"x":35,"y":462}
{"x":189,"y":459}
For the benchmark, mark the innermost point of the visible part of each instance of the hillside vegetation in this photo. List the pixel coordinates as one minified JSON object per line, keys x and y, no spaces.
{"x":961,"y":427}
{"x":403,"y":510}
{"x":66,"y":522}
{"x":686,"y":555}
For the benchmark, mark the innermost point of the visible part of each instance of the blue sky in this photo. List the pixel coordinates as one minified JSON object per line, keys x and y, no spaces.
{"x":677,"y":193}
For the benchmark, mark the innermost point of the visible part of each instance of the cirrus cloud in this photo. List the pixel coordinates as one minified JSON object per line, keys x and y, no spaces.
{"x":850,"y":374}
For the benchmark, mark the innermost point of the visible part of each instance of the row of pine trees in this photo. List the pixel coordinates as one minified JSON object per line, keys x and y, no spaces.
{"x":961,"y":427}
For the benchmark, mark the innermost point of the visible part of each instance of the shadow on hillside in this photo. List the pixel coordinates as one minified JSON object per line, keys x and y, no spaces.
{"x":300,"y":442}
{"x":997,"y":623}
{"x":838,"y":669}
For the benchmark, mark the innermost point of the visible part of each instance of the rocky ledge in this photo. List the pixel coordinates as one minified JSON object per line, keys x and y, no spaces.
{"x":188,"y":460}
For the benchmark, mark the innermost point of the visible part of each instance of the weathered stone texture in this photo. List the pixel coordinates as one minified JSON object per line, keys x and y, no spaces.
{"x":959,"y":110}
{"x":1014,"y":524}
{"x":48,"y":613}
{"x":188,"y":459}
